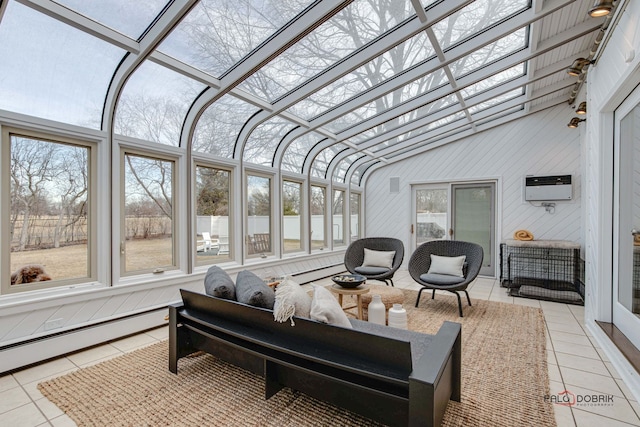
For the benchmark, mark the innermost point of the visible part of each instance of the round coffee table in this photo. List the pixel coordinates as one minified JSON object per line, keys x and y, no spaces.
{"x":358,"y":292}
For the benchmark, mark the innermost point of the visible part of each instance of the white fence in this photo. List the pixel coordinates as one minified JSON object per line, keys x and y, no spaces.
{"x":218,"y":226}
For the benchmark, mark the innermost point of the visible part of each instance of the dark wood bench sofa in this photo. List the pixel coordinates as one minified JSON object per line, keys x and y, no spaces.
{"x":394,"y":376}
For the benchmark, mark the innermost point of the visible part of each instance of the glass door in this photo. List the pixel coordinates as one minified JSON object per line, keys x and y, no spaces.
{"x":430,"y":213}
{"x":626,"y":275}
{"x":473,"y":219}
{"x":461,"y":211}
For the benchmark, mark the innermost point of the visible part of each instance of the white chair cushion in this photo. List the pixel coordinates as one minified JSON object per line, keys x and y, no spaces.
{"x":448,"y":265}
{"x":378,"y":258}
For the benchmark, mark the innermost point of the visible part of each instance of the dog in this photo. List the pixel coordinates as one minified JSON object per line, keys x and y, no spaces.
{"x":28,"y":274}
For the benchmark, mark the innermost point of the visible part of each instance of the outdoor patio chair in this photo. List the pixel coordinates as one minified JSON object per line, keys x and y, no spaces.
{"x":441,"y":273}
{"x":354,"y":258}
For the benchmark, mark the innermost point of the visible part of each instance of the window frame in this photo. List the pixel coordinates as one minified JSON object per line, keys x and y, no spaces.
{"x":5,"y":201}
{"x":358,"y":230}
{"x":175,"y":212}
{"x":245,"y":213}
{"x":325,"y":244}
{"x":344,"y":241}
{"x":230,"y":207}
{"x":301,"y":214}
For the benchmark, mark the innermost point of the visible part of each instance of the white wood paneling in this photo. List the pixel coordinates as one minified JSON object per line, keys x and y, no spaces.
{"x":540,"y":144}
{"x":80,"y":308}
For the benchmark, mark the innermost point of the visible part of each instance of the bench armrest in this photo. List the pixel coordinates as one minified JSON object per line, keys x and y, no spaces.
{"x":436,"y":377}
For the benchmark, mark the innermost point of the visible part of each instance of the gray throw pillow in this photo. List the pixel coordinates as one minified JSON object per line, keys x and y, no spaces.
{"x":217,"y":283}
{"x":250,"y":289}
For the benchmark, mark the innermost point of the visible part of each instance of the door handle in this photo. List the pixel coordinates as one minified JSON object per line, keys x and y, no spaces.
{"x":411,"y":228}
{"x":451,"y":232}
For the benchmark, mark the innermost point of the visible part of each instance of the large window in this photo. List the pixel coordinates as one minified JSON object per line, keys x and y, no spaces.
{"x":258,"y":237}
{"x":292,"y":216}
{"x":318,"y":224}
{"x":354,"y":207}
{"x":338,"y":218}
{"x":148,"y":224}
{"x":213,"y":211}
{"x":50,"y":211}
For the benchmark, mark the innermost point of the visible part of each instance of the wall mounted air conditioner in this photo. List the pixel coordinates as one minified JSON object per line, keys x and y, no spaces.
{"x":553,"y":187}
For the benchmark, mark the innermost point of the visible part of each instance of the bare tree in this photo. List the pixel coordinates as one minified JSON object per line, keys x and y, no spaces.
{"x":149,"y":179}
{"x":31,"y":170}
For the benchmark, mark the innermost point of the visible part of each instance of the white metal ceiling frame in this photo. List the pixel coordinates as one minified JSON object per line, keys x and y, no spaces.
{"x":564,"y":82}
{"x":136,"y":48}
{"x":406,"y":76}
{"x":550,"y":44}
{"x":481,"y":97}
{"x":484,"y":119}
{"x":370,"y":51}
{"x":452,"y":133}
{"x":459,"y":51}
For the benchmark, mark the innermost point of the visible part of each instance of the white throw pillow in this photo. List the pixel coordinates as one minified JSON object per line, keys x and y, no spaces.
{"x":326,"y":309}
{"x":378,"y":258}
{"x":449,"y":265}
{"x":291,"y":300}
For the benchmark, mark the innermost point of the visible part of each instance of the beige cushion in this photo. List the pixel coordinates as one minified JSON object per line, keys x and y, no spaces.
{"x":291,"y":300}
{"x":326,"y":309}
{"x":378,"y":258}
{"x":449,"y":265}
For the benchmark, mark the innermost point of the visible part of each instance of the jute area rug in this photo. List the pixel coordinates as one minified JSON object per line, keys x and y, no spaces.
{"x":504,"y":380}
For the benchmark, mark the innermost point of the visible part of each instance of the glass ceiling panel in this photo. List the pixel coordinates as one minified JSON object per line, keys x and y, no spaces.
{"x":297,"y":151}
{"x":51,"y":70}
{"x":219,"y":125}
{"x":355,"y":178}
{"x":131,"y":18}
{"x":217,"y":34}
{"x":341,"y":170}
{"x":264,"y":140}
{"x":474,"y":18}
{"x":385,"y":66}
{"x":491,"y":52}
{"x":154,"y":103}
{"x":493,"y":80}
{"x":425,"y":110}
{"x":412,"y":147}
{"x":322,"y":160}
{"x":353,"y":27}
{"x":420,"y":131}
{"x":497,"y":100}
{"x":411,"y":90}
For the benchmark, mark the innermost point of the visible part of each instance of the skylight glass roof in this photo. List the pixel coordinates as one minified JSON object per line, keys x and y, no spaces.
{"x":217,"y":130}
{"x":297,"y":151}
{"x":290,"y":84}
{"x":40,"y":73}
{"x":322,"y":160}
{"x":473,"y":18}
{"x":264,"y":140}
{"x":128,"y":17}
{"x":357,"y":24}
{"x":218,"y":33}
{"x":154,"y":103}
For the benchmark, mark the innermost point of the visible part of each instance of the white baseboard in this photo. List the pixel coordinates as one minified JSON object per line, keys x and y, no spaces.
{"x":38,"y":350}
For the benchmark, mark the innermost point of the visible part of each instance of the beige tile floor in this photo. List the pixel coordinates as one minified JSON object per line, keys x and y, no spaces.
{"x":576,"y":364}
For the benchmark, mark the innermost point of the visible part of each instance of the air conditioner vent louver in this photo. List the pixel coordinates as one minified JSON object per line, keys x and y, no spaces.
{"x":552,"y":187}
{"x":549,"y":180}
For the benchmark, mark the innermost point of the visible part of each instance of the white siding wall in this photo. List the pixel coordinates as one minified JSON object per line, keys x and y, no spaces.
{"x":26,"y":318}
{"x":540,"y":144}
